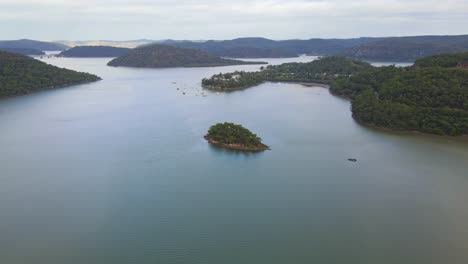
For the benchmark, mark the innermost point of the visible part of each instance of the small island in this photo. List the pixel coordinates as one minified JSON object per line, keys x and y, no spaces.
{"x":236,"y":137}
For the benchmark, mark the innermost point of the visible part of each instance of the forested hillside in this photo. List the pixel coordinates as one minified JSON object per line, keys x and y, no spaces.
{"x":32,"y":44}
{"x":407,"y":48}
{"x":23,"y":51}
{"x":432,"y":99}
{"x":162,"y":56}
{"x":21,"y":74}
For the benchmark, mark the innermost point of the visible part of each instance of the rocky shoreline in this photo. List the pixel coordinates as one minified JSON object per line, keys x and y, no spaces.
{"x":239,"y":147}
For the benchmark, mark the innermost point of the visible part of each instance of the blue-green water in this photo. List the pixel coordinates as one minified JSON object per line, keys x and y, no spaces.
{"x":118,"y":172}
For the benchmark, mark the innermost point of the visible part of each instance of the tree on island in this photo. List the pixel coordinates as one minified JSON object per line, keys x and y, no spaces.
{"x":234,"y":136}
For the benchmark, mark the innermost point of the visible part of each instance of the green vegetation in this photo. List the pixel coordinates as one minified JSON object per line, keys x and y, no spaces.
{"x":324,"y":71}
{"x":94,"y":52}
{"x":430,"y":97}
{"x":251,"y":52}
{"x":23,"y":51}
{"x":444,"y":60}
{"x":378,"y":49}
{"x":233,"y":136}
{"x":233,"y":81}
{"x":407,"y":48}
{"x":21,"y":75}
{"x":32,"y":44}
{"x":161,"y":56}
{"x":431,"y":100}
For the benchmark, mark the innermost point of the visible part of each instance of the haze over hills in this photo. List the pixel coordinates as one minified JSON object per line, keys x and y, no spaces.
{"x":163,"y":56}
{"x":111,"y":43}
{"x":30,"y":47}
{"x":32,"y":44}
{"x":367,"y":48}
{"x":24,"y":51}
{"x":408,"y":48}
{"x":282,"y":48}
{"x":383,"y":49}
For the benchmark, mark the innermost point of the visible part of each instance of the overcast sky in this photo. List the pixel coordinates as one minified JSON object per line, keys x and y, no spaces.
{"x":212,"y":19}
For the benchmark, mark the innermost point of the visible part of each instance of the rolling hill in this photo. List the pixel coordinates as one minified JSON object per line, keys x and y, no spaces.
{"x":20,"y":74}
{"x":163,"y":56}
{"x":93,"y":52}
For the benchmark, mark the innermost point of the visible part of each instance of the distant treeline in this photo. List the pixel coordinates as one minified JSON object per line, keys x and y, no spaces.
{"x":376,"y":49}
{"x":30,"y":47}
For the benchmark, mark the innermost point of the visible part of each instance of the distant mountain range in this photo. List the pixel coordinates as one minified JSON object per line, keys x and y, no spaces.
{"x":283,"y":48}
{"x":407,"y":48}
{"x":375,"y":49}
{"x":111,"y":43}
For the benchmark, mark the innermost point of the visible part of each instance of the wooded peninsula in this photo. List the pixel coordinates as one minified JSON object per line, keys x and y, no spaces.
{"x":20,"y":74}
{"x":429,"y":97}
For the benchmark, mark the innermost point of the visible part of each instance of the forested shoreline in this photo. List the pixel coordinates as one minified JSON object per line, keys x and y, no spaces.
{"x":323,"y":71}
{"x":431,"y":96}
{"x":20,"y":75}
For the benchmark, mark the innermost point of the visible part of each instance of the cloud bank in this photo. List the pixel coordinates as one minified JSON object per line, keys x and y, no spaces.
{"x":212,"y":19}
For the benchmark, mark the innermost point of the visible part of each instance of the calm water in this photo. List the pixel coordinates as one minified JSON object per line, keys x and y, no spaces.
{"x":118,"y":172}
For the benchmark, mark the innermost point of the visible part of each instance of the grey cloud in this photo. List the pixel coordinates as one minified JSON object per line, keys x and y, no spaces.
{"x":125,"y":19}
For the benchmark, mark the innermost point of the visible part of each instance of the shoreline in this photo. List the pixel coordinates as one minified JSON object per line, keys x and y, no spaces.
{"x":238,"y":147}
{"x":48,"y":88}
{"x":307,"y":84}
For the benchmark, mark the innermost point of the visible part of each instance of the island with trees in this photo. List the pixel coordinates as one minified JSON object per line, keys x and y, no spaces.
{"x":322,"y":71}
{"x":163,"y":56}
{"x":236,"y":137}
{"x":20,"y":74}
{"x":94,"y":52}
